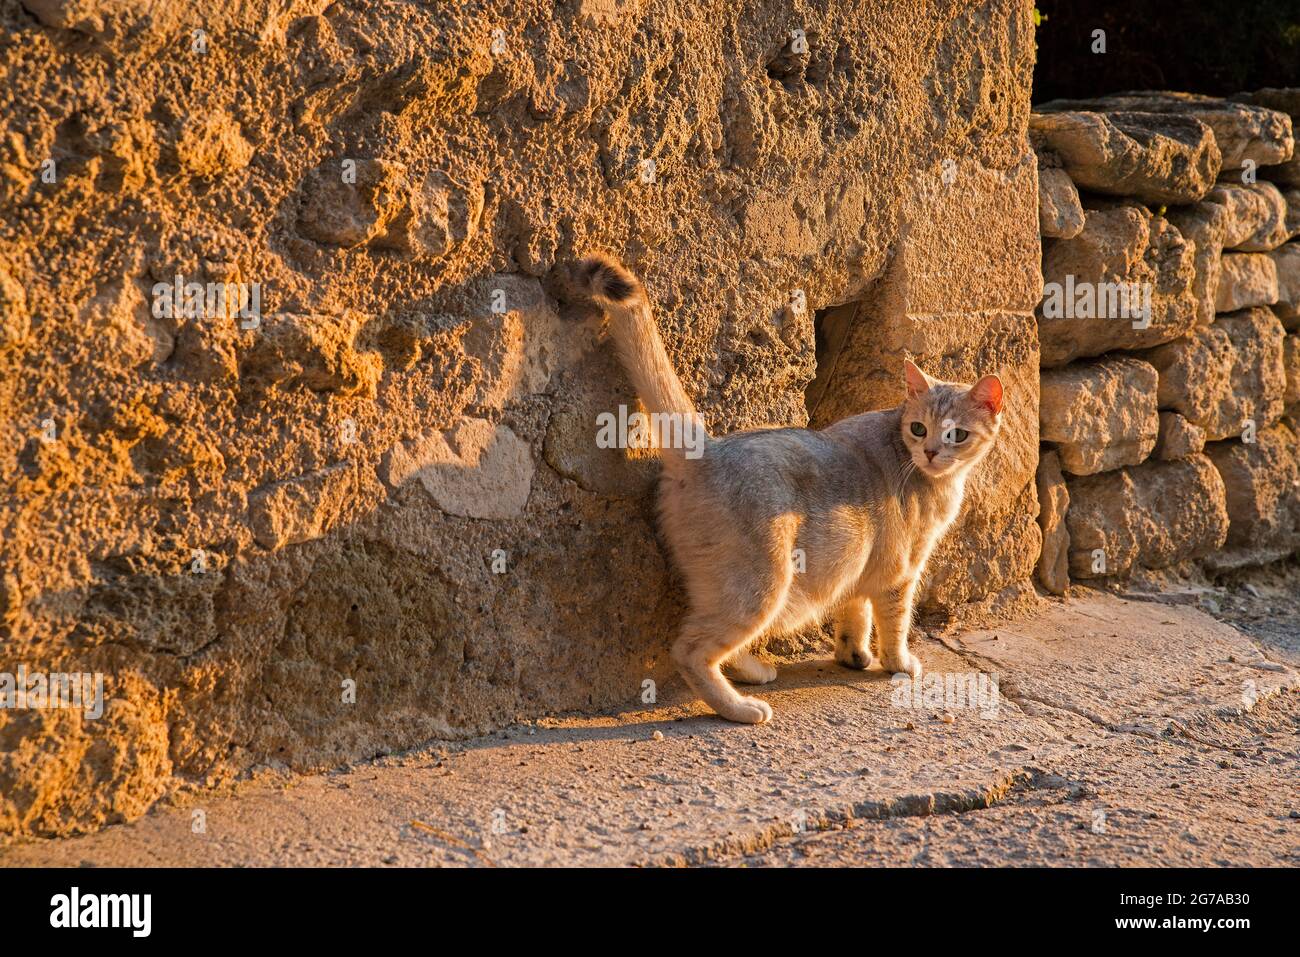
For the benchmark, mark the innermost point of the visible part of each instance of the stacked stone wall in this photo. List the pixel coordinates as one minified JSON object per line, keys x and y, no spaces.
{"x":1168,"y":332}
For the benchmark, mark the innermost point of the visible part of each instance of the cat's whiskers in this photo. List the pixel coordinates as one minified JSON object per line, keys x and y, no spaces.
{"x":908,"y":468}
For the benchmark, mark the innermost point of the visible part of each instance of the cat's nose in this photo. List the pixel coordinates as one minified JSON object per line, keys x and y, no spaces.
{"x":930,"y":454}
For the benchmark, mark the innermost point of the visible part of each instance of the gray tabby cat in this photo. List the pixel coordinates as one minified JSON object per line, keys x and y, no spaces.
{"x":866,"y":500}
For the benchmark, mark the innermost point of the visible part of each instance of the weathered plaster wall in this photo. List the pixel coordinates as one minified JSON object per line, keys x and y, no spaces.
{"x":392,"y":479}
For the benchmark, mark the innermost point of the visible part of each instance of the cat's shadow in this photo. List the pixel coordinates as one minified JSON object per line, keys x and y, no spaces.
{"x":802,"y":689}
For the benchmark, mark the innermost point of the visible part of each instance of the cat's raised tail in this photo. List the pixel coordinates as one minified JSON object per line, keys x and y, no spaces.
{"x":641,"y":351}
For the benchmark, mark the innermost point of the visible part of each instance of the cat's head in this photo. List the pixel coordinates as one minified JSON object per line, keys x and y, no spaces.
{"x":947,"y":427}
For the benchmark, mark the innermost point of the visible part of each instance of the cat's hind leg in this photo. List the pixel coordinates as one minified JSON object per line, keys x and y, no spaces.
{"x":704,"y":643}
{"x":729,"y":613}
{"x":853,"y":633}
{"x":744,"y":667}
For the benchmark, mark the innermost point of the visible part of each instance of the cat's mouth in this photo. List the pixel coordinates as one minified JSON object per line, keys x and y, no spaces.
{"x":935,"y":469}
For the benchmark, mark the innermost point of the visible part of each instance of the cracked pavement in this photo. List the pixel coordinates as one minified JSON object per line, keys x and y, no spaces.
{"x":1127,"y":732}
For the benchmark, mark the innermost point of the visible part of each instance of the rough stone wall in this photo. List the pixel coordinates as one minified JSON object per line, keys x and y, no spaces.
{"x":387,"y":473}
{"x":1170,"y":430}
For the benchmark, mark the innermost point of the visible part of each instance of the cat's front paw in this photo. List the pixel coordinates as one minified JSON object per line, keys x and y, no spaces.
{"x":748,"y":711}
{"x":903,"y":664}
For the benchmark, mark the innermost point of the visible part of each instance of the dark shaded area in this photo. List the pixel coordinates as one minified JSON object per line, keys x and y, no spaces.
{"x":1217,"y":47}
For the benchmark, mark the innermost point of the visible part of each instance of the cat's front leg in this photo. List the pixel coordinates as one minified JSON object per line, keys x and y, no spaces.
{"x":853,"y":633}
{"x":892,"y":610}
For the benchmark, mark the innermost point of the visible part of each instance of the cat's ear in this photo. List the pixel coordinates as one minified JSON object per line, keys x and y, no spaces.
{"x":988,"y":393}
{"x":918,"y":383}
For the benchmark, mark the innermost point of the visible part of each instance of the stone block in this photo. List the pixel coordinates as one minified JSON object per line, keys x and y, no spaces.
{"x":1053,"y":505}
{"x":1245,"y":280}
{"x":1149,"y":516}
{"x":1261,"y":480}
{"x":1178,"y":438}
{"x":1257,"y":216}
{"x":1286,"y":263}
{"x":1155,"y":158}
{"x":1223,"y":376}
{"x":1100,"y":415}
{"x":1060,"y":216}
{"x":1204,"y":225}
{"x":1244,"y":132}
{"x":1125,"y":282}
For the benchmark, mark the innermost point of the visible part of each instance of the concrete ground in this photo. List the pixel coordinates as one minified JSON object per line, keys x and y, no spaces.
{"x":1124,"y":731}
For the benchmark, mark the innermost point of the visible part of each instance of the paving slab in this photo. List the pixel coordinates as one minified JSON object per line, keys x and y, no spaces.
{"x":1225,"y":793}
{"x":1127,"y":664}
{"x":673,"y":785}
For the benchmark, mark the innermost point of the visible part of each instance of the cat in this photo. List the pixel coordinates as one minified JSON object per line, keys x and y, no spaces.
{"x":772,"y":528}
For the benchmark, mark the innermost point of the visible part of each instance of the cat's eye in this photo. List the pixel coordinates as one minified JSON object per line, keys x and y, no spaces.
{"x":918,"y":430}
{"x":959,"y":436}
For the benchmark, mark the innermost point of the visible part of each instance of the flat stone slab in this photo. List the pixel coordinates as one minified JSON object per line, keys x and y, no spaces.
{"x":1122,"y":801}
{"x":1154,"y":157}
{"x":606,"y":790}
{"x":1127,"y":664}
{"x":603,"y":790}
{"x":1245,"y":133}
